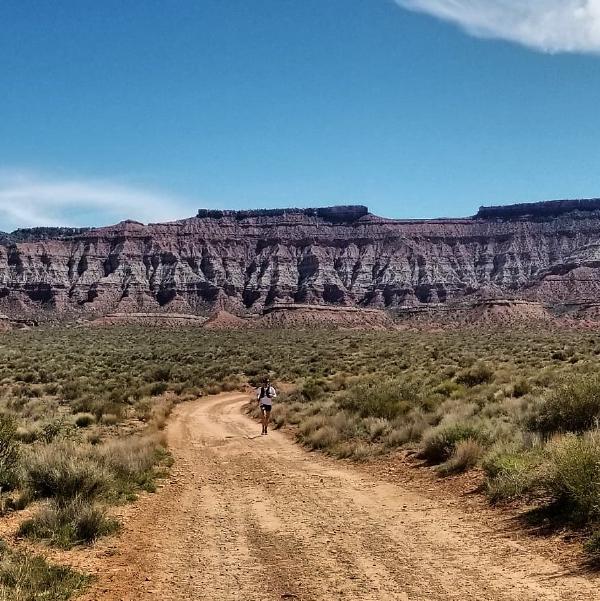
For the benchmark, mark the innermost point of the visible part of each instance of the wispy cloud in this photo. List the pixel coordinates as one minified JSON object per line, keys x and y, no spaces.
{"x":546,"y":25}
{"x":30,"y":199}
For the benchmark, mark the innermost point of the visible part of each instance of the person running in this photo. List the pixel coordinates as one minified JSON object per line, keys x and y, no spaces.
{"x":265,"y":394}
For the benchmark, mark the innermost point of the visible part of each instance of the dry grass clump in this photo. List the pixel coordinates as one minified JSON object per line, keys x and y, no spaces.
{"x":466,"y":455}
{"x":64,"y":471}
{"x":133,"y":462}
{"x":408,"y":430}
{"x":79,"y":480}
{"x":109,"y":419}
{"x":440,"y":443}
{"x":323,"y":437}
{"x":337,"y":432}
{"x":32,"y":578}
{"x":78,"y":521}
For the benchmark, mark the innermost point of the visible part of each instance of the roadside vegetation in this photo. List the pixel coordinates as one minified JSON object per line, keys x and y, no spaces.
{"x":81,"y":411}
{"x":32,"y":578}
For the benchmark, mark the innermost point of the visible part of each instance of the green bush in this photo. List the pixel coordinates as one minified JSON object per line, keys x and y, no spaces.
{"x":158,"y":373}
{"x":511,"y":474}
{"x":574,"y":406}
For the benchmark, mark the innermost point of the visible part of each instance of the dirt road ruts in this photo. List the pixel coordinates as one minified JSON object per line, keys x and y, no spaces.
{"x":251,"y":518}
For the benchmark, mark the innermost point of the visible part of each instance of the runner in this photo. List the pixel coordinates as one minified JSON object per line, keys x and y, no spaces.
{"x":265,"y":394}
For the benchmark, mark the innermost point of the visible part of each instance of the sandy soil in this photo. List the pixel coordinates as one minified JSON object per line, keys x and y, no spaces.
{"x":252,"y":518}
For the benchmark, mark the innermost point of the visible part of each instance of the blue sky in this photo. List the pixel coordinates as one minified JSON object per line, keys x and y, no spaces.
{"x":417,"y":108}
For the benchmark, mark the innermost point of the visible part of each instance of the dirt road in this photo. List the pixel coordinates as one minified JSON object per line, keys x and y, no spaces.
{"x":251,"y":518}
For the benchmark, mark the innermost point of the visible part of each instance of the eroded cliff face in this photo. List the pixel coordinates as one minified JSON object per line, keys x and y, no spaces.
{"x":243,"y":262}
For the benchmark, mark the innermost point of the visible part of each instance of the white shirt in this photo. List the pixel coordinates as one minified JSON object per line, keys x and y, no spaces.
{"x":265,"y":400}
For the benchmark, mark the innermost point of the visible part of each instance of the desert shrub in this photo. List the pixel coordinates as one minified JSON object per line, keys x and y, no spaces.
{"x":20,"y":500}
{"x":322,"y":438}
{"x":51,"y":388}
{"x":28,"y":434}
{"x":279,"y":416}
{"x":109,"y":419}
{"x":573,"y":406}
{"x":57,"y":429}
{"x":84,"y":420}
{"x":32,"y":578}
{"x":397,"y":437}
{"x":63,"y":471}
{"x":592,"y":546}
{"x":158,"y":373}
{"x":9,"y":453}
{"x":383,"y":398}
{"x":512,"y":473}
{"x":131,"y":462}
{"x":407,"y":429}
{"x":447,"y":388}
{"x":158,"y":388}
{"x":439,"y":443}
{"x":213,"y":388}
{"x":314,"y":422}
{"x":73,"y":389}
{"x":480,"y":373}
{"x":465,"y":456}
{"x":357,"y":450}
{"x":312,"y":390}
{"x":65,"y":525}
{"x":376,"y":427}
{"x":160,"y":411}
{"x":520,"y":388}
{"x":349,"y":426}
{"x":323,"y":431}
{"x":574,"y":476}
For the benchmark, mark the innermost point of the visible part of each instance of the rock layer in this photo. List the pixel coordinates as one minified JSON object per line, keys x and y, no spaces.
{"x":245,"y":261}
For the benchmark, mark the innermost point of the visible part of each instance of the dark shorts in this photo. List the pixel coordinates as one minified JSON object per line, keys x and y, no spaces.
{"x":266,"y":408}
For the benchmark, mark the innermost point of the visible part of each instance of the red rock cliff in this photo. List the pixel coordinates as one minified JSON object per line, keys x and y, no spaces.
{"x":243,"y":261}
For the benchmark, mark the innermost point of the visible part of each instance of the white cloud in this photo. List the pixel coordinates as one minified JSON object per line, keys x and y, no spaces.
{"x":29,"y":199}
{"x":546,"y":25}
